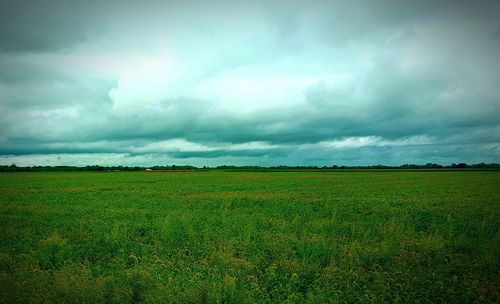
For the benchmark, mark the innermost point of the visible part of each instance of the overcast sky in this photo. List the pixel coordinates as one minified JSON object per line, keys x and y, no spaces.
{"x":254,"y":82}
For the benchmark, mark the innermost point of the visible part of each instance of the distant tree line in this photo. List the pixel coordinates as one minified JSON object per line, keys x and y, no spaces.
{"x":14,"y":168}
{"x":405,"y":166}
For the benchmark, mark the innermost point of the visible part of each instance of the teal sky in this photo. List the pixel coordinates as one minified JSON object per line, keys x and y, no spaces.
{"x":249,"y":82}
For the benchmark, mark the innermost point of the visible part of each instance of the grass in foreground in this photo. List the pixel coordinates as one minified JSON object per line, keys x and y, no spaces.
{"x":250,"y":237}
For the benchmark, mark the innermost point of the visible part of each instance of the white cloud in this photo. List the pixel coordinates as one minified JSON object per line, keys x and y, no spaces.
{"x":373,"y":141}
{"x":173,"y":145}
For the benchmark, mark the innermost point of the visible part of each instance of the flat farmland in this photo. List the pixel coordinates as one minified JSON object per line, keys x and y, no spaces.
{"x":250,"y":237}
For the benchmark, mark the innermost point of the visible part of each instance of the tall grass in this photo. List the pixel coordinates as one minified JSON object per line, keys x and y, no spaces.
{"x":215,"y":237}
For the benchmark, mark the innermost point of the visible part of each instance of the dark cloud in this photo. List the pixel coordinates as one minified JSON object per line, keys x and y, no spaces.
{"x":36,"y":26}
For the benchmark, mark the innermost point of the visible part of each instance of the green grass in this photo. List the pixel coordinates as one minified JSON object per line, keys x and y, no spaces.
{"x":250,"y":237}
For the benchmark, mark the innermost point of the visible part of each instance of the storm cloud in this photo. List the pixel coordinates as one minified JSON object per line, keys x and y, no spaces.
{"x":249,"y":82}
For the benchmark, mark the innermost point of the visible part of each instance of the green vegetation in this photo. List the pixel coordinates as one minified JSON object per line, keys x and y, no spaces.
{"x":430,"y":166}
{"x":250,"y":237}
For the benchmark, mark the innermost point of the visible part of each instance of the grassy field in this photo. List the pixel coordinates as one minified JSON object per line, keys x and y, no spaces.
{"x":250,"y":237}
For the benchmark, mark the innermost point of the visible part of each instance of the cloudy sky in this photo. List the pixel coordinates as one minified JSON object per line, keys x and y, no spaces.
{"x":254,"y":82}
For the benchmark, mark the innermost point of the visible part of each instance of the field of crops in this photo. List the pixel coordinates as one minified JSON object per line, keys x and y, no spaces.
{"x":250,"y":237}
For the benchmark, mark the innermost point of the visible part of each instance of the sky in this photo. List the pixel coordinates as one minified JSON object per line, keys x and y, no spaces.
{"x":249,"y":82}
